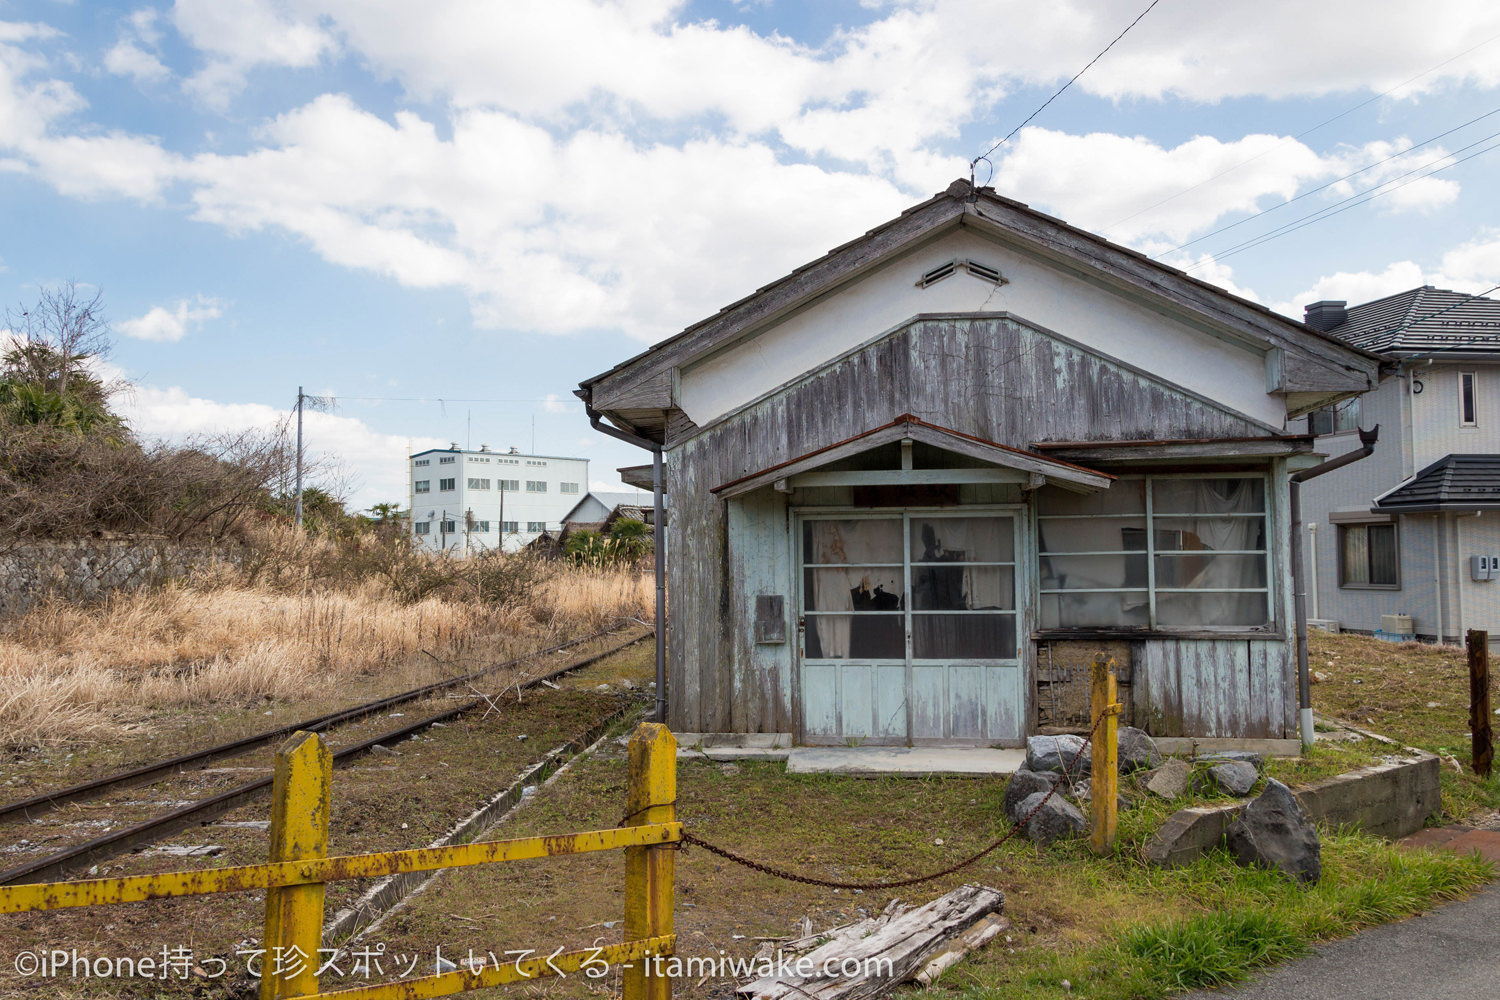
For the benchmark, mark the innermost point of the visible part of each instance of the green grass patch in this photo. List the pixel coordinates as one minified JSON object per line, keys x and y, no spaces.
{"x":1222,"y":922}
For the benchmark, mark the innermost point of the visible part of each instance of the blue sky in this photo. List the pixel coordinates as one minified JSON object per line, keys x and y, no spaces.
{"x":483,"y":200}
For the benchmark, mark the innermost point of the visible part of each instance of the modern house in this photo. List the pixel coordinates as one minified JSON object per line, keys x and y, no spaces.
{"x":1407,"y":541}
{"x":467,"y":502}
{"x":918,"y":483}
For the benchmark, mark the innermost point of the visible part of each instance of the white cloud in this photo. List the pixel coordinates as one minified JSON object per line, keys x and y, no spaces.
{"x":556,"y":404}
{"x":136,"y":54}
{"x":128,"y":59}
{"x":1470,"y":268}
{"x":237,"y":35}
{"x":162,"y":324}
{"x":376,"y":461}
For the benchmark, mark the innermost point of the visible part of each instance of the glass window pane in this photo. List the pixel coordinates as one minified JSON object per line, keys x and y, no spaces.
{"x":856,"y":540}
{"x":1126,"y":496}
{"x":1105,"y":534}
{"x":962,"y":539}
{"x":1211,"y":610}
{"x":964,"y":637}
{"x":961,"y":588}
{"x":1095,"y":610}
{"x":1217,"y":534}
{"x":1093,"y":572}
{"x":1356,"y":554}
{"x":856,"y":637}
{"x":855,"y":588}
{"x":1208,"y":496}
{"x":1209,"y":572}
{"x":1383,"y":558}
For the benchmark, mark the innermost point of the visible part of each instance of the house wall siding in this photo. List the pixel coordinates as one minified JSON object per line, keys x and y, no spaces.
{"x":1229,"y":372}
{"x":994,"y":378}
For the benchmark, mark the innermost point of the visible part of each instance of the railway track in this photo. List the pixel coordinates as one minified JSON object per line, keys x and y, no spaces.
{"x":116,"y":842}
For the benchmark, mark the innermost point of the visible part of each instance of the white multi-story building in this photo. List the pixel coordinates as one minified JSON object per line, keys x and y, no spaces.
{"x":467,"y":502}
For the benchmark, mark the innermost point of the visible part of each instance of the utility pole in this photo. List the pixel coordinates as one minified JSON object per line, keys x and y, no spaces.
{"x":502,"y":514}
{"x":297,"y":514}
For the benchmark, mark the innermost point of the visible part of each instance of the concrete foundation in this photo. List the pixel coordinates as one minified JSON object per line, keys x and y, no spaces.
{"x":1389,"y":800}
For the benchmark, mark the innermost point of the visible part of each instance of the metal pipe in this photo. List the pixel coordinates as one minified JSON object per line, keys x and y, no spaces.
{"x":658,"y":536}
{"x":1312,"y":534}
{"x":1367,"y":441}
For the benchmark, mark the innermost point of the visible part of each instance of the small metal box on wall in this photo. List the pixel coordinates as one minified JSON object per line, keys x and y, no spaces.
{"x":770,"y":618}
{"x":1484,"y":567}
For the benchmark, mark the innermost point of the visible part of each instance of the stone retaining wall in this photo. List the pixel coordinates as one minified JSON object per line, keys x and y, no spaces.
{"x":1390,"y":800}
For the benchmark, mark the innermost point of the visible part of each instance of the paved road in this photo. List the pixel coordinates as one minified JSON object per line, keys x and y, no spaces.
{"x":1452,"y":953}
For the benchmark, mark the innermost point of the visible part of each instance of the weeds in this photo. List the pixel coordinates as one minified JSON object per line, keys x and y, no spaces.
{"x":294,"y":616}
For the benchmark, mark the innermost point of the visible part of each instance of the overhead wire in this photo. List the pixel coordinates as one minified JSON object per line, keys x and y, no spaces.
{"x":1303,"y":134}
{"x":1339,"y":180}
{"x":1353,"y":201}
{"x":985,"y":156}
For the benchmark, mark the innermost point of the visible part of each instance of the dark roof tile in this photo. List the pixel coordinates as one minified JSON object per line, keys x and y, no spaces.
{"x":1422,"y":321}
{"x":1453,"y":482}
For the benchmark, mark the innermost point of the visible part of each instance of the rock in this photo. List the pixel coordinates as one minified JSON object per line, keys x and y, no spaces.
{"x":1137,"y":750}
{"x":1234,"y":777}
{"x":1244,"y":755}
{"x":1319,"y":677}
{"x":1170,"y":780}
{"x":1056,"y":818}
{"x":1059,"y":753}
{"x":1023,"y":784}
{"x":1274,"y":832}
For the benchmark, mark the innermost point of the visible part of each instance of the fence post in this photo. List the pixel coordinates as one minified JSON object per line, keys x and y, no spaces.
{"x":651,"y":798}
{"x":1480,"y":720}
{"x":299,"y":829}
{"x":1104,"y":787}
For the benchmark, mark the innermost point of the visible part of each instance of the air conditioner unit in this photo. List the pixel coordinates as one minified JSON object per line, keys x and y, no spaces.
{"x":1396,"y":625}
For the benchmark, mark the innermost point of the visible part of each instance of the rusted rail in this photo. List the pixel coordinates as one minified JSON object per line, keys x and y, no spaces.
{"x":83,"y":792}
{"x":113,"y":844}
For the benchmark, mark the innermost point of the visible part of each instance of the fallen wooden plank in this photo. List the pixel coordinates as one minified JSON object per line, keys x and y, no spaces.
{"x":871,"y":957}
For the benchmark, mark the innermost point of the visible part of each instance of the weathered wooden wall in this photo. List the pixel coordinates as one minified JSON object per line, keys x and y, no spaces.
{"x":992,"y":377}
{"x":1214,"y":687}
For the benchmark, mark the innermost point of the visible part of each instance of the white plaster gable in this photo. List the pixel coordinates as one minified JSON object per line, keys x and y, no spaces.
{"x":1036,"y":291}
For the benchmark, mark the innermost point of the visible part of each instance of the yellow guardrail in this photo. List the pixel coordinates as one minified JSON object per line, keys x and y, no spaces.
{"x":299,"y":867}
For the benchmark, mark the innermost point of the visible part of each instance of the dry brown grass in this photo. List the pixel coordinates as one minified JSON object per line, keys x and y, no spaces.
{"x":72,"y":672}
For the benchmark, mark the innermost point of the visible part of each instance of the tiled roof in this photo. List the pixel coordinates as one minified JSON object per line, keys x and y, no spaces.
{"x":1424,"y":320}
{"x":1453,"y":482}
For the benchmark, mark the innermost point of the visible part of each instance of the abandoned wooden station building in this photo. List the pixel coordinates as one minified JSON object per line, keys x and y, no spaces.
{"x":917,"y":483}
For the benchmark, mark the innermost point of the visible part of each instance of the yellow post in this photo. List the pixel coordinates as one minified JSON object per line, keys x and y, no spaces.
{"x":299,"y":830}
{"x":1105,"y":775}
{"x":648,"y":870}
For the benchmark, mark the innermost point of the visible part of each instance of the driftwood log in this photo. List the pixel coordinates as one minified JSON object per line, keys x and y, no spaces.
{"x":871,"y":957}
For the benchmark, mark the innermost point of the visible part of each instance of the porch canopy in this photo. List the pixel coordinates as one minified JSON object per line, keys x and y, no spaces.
{"x":980,"y":461}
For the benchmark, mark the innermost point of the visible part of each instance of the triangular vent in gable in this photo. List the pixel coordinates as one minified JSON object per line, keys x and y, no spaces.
{"x":981,"y":271}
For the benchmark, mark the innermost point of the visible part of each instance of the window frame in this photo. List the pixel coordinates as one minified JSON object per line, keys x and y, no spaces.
{"x":1468,"y":399}
{"x":536,"y":486}
{"x":1269,"y":517}
{"x":536,"y":527}
{"x":421,"y":527}
{"x":1364,"y":526}
{"x":449,"y":485}
{"x":421,"y":486}
{"x":477,"y":483}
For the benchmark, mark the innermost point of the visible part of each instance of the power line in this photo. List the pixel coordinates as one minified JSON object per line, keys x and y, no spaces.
{"x":1339,"y":207}
{"x":1323,"y":187}
{"x":986,"y":154}
{"x":1434,"y":315}
{"x":1302,"y":134}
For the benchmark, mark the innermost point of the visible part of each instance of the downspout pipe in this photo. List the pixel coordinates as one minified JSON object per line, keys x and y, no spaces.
{"x":658,"y":539}
{"x":1366,"y":447}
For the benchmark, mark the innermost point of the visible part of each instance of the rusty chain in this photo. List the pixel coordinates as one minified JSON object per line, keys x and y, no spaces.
{"x":728,"y":855}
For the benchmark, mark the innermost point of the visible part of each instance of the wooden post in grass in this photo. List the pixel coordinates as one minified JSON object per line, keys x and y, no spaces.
{"x":300,"y":796}
{"x":1105,"y":774}
{"x":650,"y":798}
{"x":1480,"y":725}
